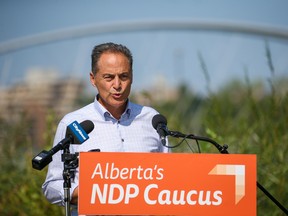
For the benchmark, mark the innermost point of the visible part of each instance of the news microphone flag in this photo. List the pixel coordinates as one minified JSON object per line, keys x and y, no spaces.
{"x":78,"y":133}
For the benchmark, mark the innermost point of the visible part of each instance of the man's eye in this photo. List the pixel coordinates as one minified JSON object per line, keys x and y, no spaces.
{"x":124,"y":76}
{"x":108,"y":77}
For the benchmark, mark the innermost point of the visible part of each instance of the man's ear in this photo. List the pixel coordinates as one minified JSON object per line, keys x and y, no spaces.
{"x":131,"y":77}
{"x":92,"y":79}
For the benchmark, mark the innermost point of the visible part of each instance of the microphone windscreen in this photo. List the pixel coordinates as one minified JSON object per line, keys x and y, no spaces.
{"x":158,"y":119}
{"x":87,"y":126}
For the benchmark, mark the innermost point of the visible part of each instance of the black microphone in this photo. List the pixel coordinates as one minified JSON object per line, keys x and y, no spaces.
{"x":79,"y":133}
{"x":76,"y":133}
{"x":159,"y":122}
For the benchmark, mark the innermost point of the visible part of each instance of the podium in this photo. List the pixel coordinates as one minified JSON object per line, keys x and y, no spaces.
{"x":167,"y":184}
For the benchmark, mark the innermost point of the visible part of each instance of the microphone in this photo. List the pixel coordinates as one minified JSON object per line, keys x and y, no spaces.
{"x":159,"y":123}
{"x":79,"y":133}
{"x":76,"y":133}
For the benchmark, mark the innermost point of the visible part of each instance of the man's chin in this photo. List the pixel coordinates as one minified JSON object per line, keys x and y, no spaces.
{"x":118,"y":103}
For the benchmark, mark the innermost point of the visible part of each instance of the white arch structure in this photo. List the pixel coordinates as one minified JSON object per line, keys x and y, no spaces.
{"x":141,"y":25}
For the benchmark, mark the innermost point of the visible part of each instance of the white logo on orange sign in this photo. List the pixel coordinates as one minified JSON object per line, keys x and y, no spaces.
{"x":238,"y":171}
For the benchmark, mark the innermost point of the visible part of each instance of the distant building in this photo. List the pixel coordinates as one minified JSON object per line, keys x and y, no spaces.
{"x":41,"y":92}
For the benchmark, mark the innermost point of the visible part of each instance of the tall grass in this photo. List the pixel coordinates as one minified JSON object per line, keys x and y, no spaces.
{"x":20,"y":185}
{"x":250,"y":118}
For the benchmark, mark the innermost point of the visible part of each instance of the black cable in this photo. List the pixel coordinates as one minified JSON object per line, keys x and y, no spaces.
{"x":182,"y":141}
{"x":177,"y":145}
{"x":198,"y":146}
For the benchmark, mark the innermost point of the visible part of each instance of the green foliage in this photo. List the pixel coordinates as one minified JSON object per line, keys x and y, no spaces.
{"x":249,"y":117}
{"x":250,"y":120}
{"x":20,"y":185}
{"x":246,"y":116}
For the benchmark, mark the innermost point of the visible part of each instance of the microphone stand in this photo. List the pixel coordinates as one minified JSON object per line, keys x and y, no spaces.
{"x":70,"y":164}
{"x":223,"y":150}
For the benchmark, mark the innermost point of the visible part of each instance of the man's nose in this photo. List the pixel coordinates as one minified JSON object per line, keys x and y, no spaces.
{"x":117,"y":83}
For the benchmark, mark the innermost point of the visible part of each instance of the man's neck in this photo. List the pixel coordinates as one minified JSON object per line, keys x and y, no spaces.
{"x":116,"y":112}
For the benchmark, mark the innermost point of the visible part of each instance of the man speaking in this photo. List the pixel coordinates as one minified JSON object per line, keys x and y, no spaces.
{"x":120,"y":125}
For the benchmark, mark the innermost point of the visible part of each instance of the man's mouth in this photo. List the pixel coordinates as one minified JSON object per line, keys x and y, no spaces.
{"x":117,"y":95}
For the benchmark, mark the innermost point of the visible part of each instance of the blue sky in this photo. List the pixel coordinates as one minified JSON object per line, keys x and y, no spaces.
{"x":169,"y":54}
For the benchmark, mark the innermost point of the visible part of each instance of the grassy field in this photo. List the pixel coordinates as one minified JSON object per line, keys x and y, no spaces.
{"x":251,"y":118}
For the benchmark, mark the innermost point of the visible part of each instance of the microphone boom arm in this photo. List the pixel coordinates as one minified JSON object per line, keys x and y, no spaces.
{"x":221,"y":149}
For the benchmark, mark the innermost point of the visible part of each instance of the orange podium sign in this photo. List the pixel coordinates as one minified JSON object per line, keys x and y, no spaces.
{"x":167,"y":184}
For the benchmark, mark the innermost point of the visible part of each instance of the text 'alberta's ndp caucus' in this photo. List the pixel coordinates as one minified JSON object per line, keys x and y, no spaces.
{"x":115,"y":193}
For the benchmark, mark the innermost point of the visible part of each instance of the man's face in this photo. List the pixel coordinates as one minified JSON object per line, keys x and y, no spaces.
{"x":113,"y":80}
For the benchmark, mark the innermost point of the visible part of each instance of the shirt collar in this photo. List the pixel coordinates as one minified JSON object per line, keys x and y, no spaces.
{"x":104,"y":113}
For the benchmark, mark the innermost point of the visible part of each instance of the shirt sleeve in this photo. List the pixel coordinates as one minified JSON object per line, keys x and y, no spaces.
{"x":53,"y":185}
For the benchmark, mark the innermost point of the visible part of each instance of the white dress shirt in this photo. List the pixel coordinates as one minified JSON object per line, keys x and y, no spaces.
{"x":133,"y":132}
